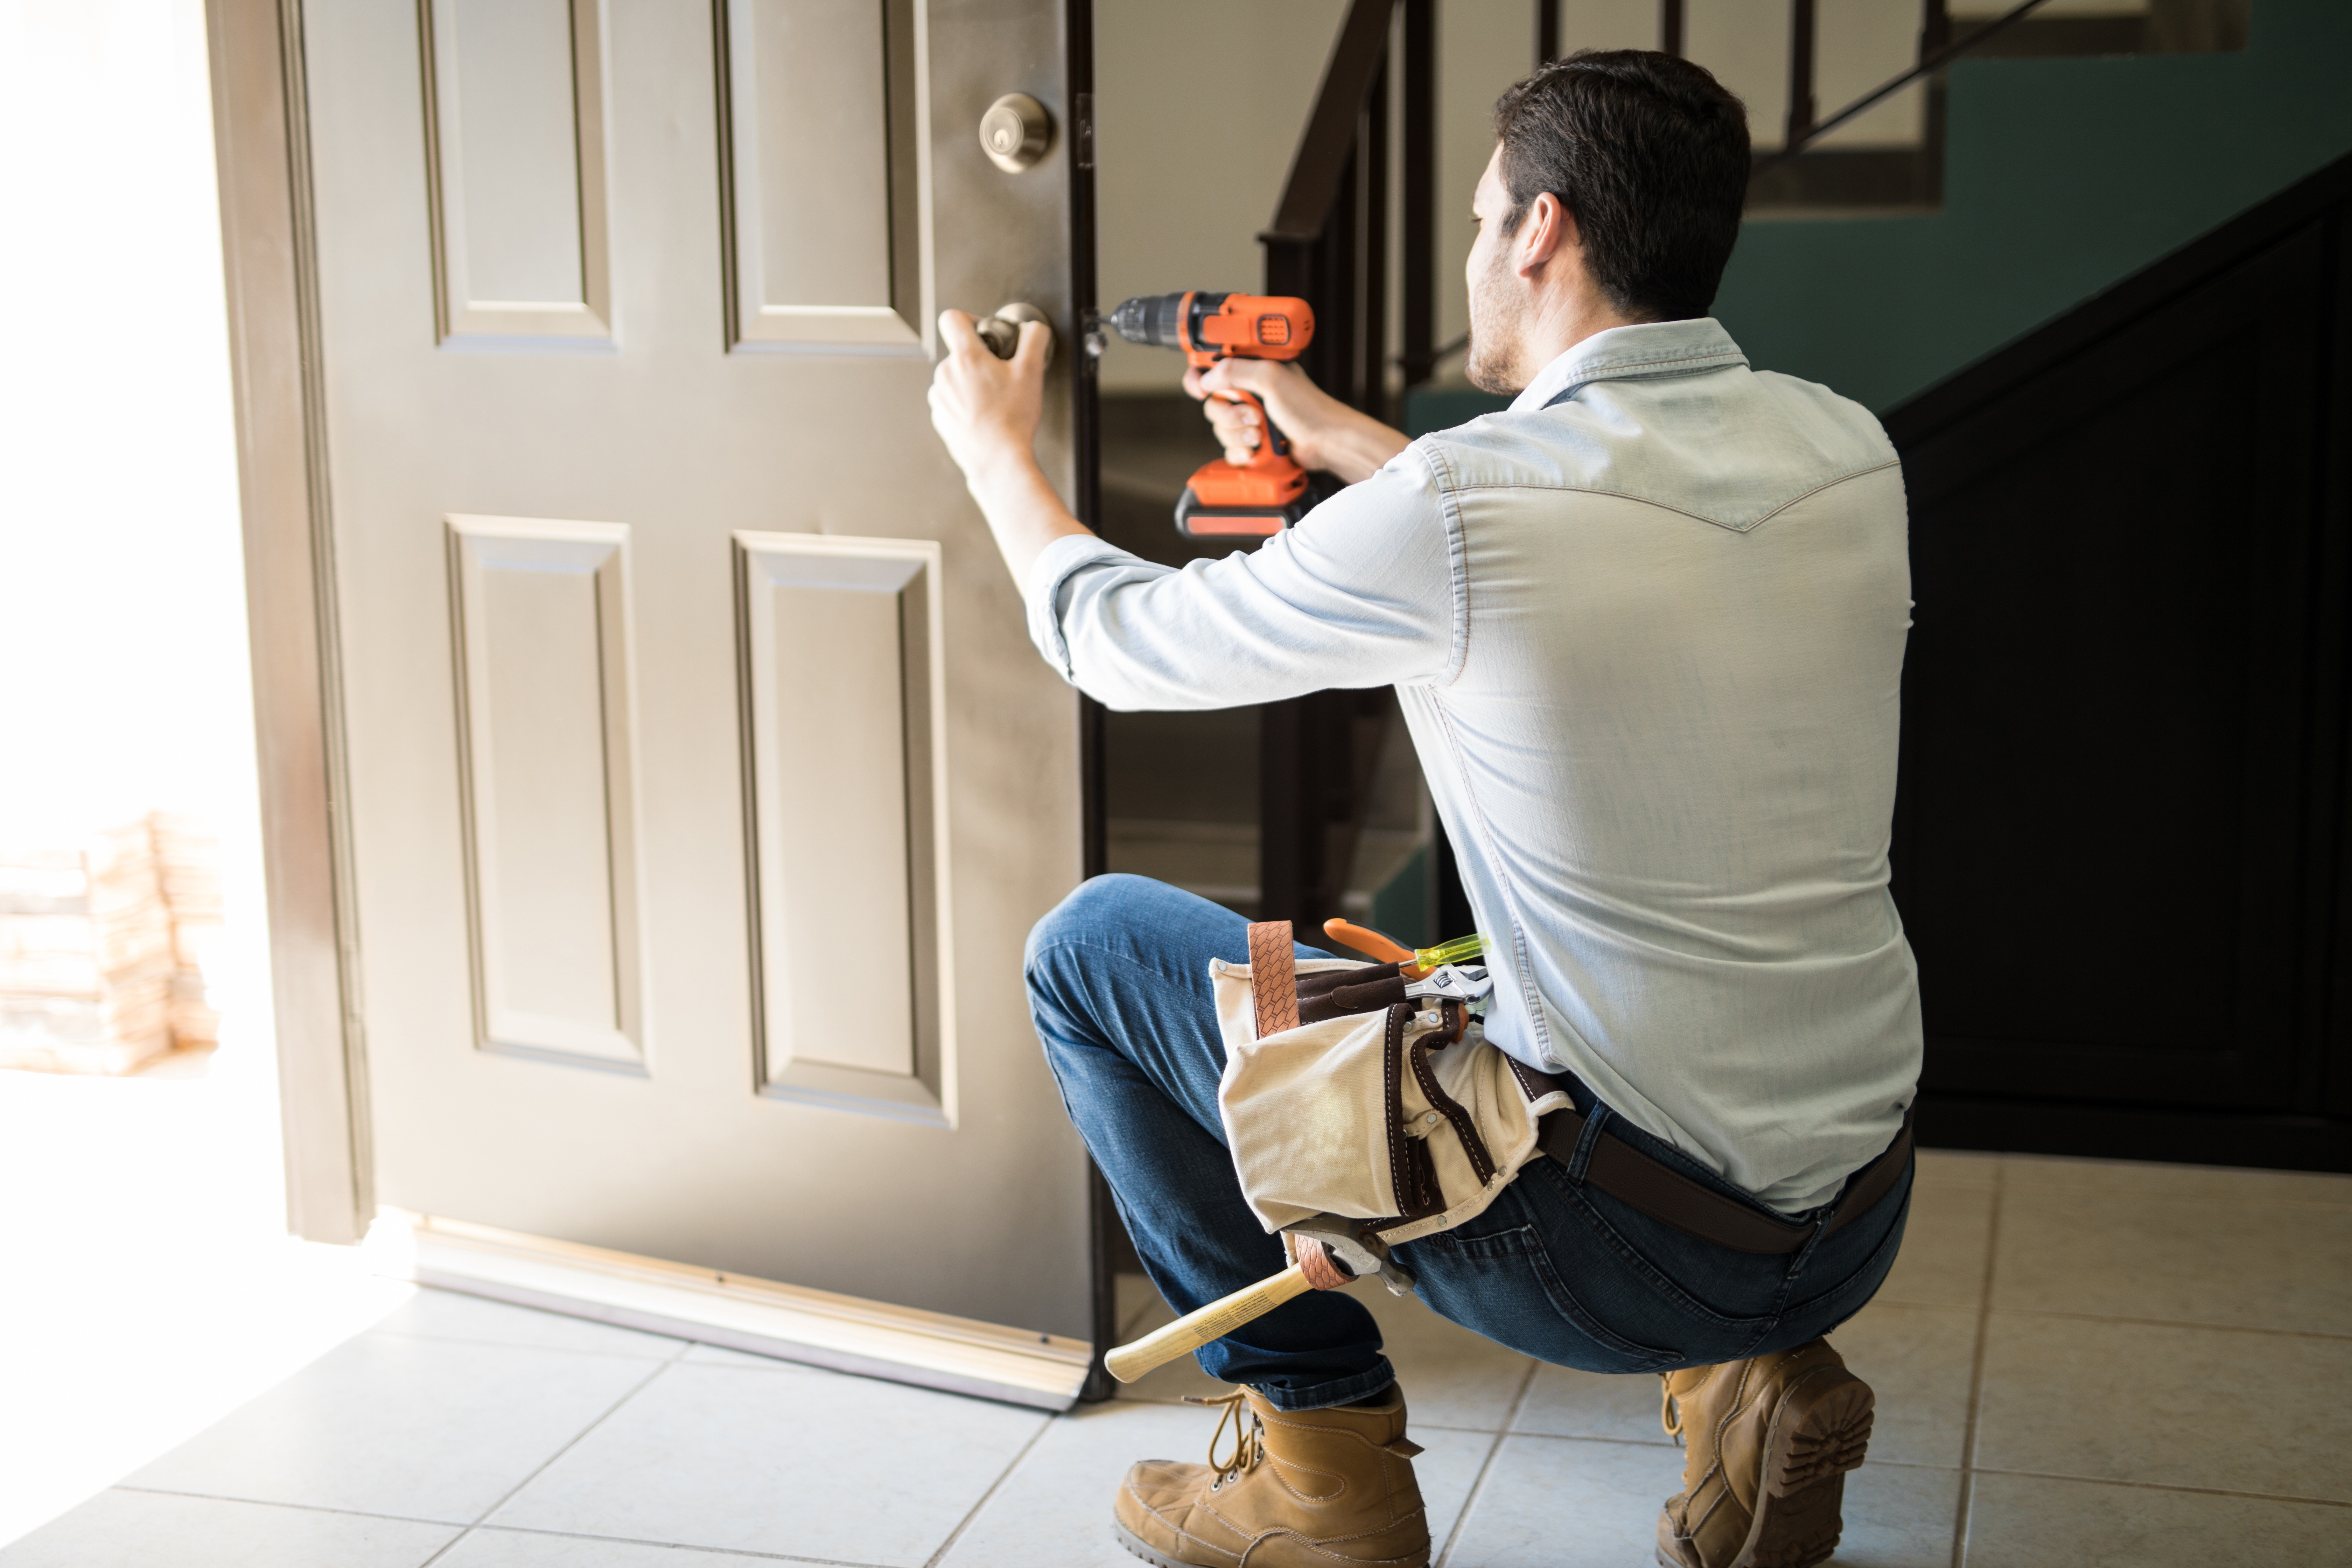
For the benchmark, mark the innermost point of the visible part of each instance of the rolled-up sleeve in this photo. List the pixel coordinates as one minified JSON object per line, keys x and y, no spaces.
{"x":1362,"y":592}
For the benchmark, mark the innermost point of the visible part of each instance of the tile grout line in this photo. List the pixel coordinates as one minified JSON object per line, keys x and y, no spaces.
{"x":2170,"y":1323}
{"x":1487,"y":1465}
{"x":2169,"y":1486}
{"x":274,"y":1502}
{"x":635,"y":1389}
{"x":1976,"y":1375}
{"x":993,"y":1488}
{"x":1671,"y":1447}
{"x":682,"y":1546}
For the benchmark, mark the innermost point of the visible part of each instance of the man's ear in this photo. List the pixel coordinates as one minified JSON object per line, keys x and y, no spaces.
{"x":1549,"y":232}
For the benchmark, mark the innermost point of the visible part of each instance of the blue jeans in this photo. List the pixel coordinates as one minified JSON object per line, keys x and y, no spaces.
{"x":1119,"y":986}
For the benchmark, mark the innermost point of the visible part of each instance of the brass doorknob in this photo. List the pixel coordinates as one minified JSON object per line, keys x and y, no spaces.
{"x":1016,"y":132}
{"x":1002,"y":331}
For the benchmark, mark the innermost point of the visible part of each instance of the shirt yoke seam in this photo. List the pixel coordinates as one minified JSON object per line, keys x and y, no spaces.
{"x":1685,"y":512}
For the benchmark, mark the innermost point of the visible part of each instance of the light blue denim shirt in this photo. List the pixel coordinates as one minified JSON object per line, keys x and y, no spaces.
{"x":1647,"y":627}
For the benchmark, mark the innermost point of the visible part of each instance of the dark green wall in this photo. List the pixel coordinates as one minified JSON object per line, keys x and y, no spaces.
{"x":2062,"y":177}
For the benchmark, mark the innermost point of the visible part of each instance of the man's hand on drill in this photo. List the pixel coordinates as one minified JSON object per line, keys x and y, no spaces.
{"x":1324,"y":433}
{"x":987,"y":410}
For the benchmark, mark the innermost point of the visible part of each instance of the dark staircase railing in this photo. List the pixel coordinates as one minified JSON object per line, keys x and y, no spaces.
{"x":1329,"y":245}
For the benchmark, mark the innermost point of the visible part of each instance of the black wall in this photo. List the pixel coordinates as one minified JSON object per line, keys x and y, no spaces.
{"x":2120,"y":845}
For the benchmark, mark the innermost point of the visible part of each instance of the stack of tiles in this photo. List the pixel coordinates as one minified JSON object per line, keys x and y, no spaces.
{"x":98,"y":972}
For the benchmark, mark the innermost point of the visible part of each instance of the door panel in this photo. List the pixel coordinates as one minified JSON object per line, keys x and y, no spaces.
{"x":780,"y":662}
{"x":844,"y":721}
{"x":514,"y":125}
{"x":545,"y":695}
{"x":822,"y":250}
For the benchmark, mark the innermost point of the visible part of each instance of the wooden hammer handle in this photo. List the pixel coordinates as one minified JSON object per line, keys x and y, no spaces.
{"x":1215,"y":1321}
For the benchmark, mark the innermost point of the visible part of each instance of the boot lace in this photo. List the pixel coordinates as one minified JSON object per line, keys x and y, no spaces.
{"x":1249,"y":1436}
{"x":1669,"y":1410}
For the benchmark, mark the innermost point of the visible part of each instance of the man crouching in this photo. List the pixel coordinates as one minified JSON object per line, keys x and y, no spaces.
{"x":1646,"y":627}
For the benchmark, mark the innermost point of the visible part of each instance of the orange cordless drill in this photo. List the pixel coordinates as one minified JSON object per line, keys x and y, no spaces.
{"x":1271,"y":491}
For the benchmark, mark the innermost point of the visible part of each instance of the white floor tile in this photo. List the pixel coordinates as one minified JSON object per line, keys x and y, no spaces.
{"x":1132,"y":1295}
{"x":1898,"y":1517}
{"x":425,"y":1429}
{"x":795,"y":1461}
{"x":2130,"y":1252}
{"x":2214,"y":1184}
{"x":1948,"y":1168}
{"x":1447,"y":1470}
{"x":1450,"y":1376}
{"x":489,"y":1548}
{"x":719,"y":1355}
{"x":1917,"y":1361}
{"x":452,"y":1315}
{"x":2031,"y":1521}
{"x":1552,"y":1502}
{"x":1621,"y":1409}
{"x":1947,"y":1245}
{"x":2168,"y":1407}
{"x":1055,"y":1508}
{"x":135,"y":1530}
{"x":1559,"y":1502}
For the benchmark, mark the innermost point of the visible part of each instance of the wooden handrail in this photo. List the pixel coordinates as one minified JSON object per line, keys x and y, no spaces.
{"x":1331,"y":134}
{"x":1929,"y":65}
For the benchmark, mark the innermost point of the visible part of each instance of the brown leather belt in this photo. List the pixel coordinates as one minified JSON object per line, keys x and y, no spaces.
{"x":1626,"y":1174}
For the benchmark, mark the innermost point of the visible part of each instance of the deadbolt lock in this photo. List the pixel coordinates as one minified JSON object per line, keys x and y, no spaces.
{"x":1016,"y":132}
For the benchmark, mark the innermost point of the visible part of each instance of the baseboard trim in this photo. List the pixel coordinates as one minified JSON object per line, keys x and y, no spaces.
{"x":2125,"y":1133}
{"x":760,"y":1317}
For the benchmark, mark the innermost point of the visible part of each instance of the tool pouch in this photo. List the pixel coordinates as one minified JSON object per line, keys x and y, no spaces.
{"x":1342,"y":1097}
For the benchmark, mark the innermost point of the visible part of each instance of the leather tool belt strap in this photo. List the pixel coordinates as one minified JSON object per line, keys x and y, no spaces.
{"x":1624,"y":1173}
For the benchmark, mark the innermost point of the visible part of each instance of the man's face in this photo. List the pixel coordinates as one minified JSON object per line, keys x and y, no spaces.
{"x":1499,"y":296}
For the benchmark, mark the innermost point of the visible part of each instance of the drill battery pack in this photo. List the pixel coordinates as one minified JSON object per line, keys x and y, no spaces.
{"x":1230,"y":516}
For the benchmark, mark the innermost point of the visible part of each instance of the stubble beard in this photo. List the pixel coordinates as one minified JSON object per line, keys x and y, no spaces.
{"x":1498,"y":317}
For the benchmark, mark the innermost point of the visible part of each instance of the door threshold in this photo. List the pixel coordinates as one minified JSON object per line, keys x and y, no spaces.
{"x":761,"y":1317}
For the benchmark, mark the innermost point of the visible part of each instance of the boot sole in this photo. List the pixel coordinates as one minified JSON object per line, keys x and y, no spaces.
{"x":1136,"y":1545}
{"x":1819,"y":1435}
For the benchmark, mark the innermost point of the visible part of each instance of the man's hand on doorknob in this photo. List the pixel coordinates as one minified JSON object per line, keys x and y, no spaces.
{"x":987,"y":411}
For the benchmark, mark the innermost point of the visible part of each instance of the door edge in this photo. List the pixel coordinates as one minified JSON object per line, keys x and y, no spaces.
{"x":269,"y":257}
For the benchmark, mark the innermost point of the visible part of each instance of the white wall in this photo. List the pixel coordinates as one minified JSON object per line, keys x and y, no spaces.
{"x":121,"y":585}
{"x":1194,"y":137}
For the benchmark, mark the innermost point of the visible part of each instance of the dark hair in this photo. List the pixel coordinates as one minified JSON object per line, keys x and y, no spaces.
{"x":1650,"y":153}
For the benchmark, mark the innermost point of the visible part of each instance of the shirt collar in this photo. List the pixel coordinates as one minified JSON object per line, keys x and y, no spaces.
{"x":1644,"y":349}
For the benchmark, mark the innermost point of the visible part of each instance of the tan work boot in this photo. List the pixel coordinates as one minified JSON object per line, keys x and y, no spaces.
{"x":1302,"y":1489}
{"x":1769,"y":1441}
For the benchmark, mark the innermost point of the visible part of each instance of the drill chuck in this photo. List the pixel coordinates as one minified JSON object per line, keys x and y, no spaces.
{"x":1156,"y":321}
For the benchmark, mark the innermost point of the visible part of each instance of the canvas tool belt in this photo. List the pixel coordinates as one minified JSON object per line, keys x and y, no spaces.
{"x":1341,"y":1096}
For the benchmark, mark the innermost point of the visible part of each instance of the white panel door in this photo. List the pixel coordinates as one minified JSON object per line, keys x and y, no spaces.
{"x":703,"y":783}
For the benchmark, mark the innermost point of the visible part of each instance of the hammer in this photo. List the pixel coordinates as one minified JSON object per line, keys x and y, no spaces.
{"x":1333,"y":1254}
